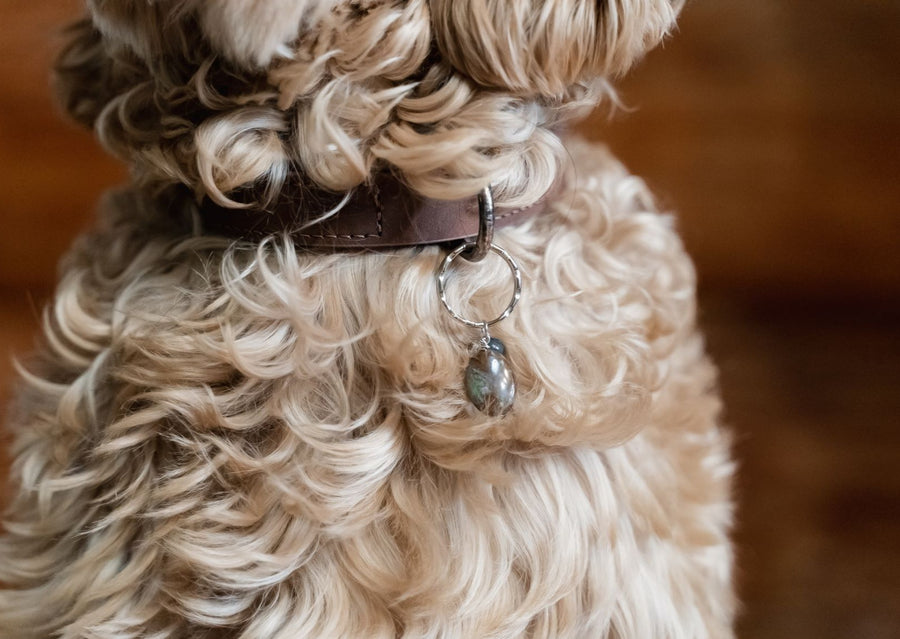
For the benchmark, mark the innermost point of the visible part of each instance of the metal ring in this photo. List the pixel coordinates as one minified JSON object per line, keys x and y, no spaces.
{"x":482,"y":245}
{"x":517,"y":288}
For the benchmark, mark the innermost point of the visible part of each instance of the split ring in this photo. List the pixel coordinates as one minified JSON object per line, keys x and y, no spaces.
{"x":513,"y":267}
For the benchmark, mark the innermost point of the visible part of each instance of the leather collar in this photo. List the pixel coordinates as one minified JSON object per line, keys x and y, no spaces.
{"x":382,"y":214}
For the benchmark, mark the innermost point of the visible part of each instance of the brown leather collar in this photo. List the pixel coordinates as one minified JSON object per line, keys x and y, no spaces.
{"x":384,"y":214}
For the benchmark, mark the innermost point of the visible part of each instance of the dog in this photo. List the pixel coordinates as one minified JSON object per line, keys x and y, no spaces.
{"x":237,"y":435}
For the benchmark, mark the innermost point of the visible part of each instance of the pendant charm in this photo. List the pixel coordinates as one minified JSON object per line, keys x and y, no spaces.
{"x":489,"y":381}
{"x":490,"y":384}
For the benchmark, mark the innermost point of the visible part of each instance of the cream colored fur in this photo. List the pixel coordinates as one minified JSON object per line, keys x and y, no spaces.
{"x":223,"y":440}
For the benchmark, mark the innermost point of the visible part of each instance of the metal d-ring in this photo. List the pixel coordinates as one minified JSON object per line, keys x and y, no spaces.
{"x":517,"y":288}
{"x":478,"y":250}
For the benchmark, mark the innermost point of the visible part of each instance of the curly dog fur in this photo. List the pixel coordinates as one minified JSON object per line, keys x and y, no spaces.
{"x":228,"y":440}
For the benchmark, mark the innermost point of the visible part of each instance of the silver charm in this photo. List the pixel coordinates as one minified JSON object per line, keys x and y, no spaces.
{"x":489,"y":381}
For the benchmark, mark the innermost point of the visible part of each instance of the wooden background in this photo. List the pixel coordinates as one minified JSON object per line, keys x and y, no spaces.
{"x":773,"y":128}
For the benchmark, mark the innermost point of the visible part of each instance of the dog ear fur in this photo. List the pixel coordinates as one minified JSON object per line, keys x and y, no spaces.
{"x":531,"y":47}
{"x":251,"y":33}
{"x":248,"y":33}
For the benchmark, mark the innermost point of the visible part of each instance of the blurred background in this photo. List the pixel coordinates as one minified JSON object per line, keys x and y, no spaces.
{"x":772,"y":128}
